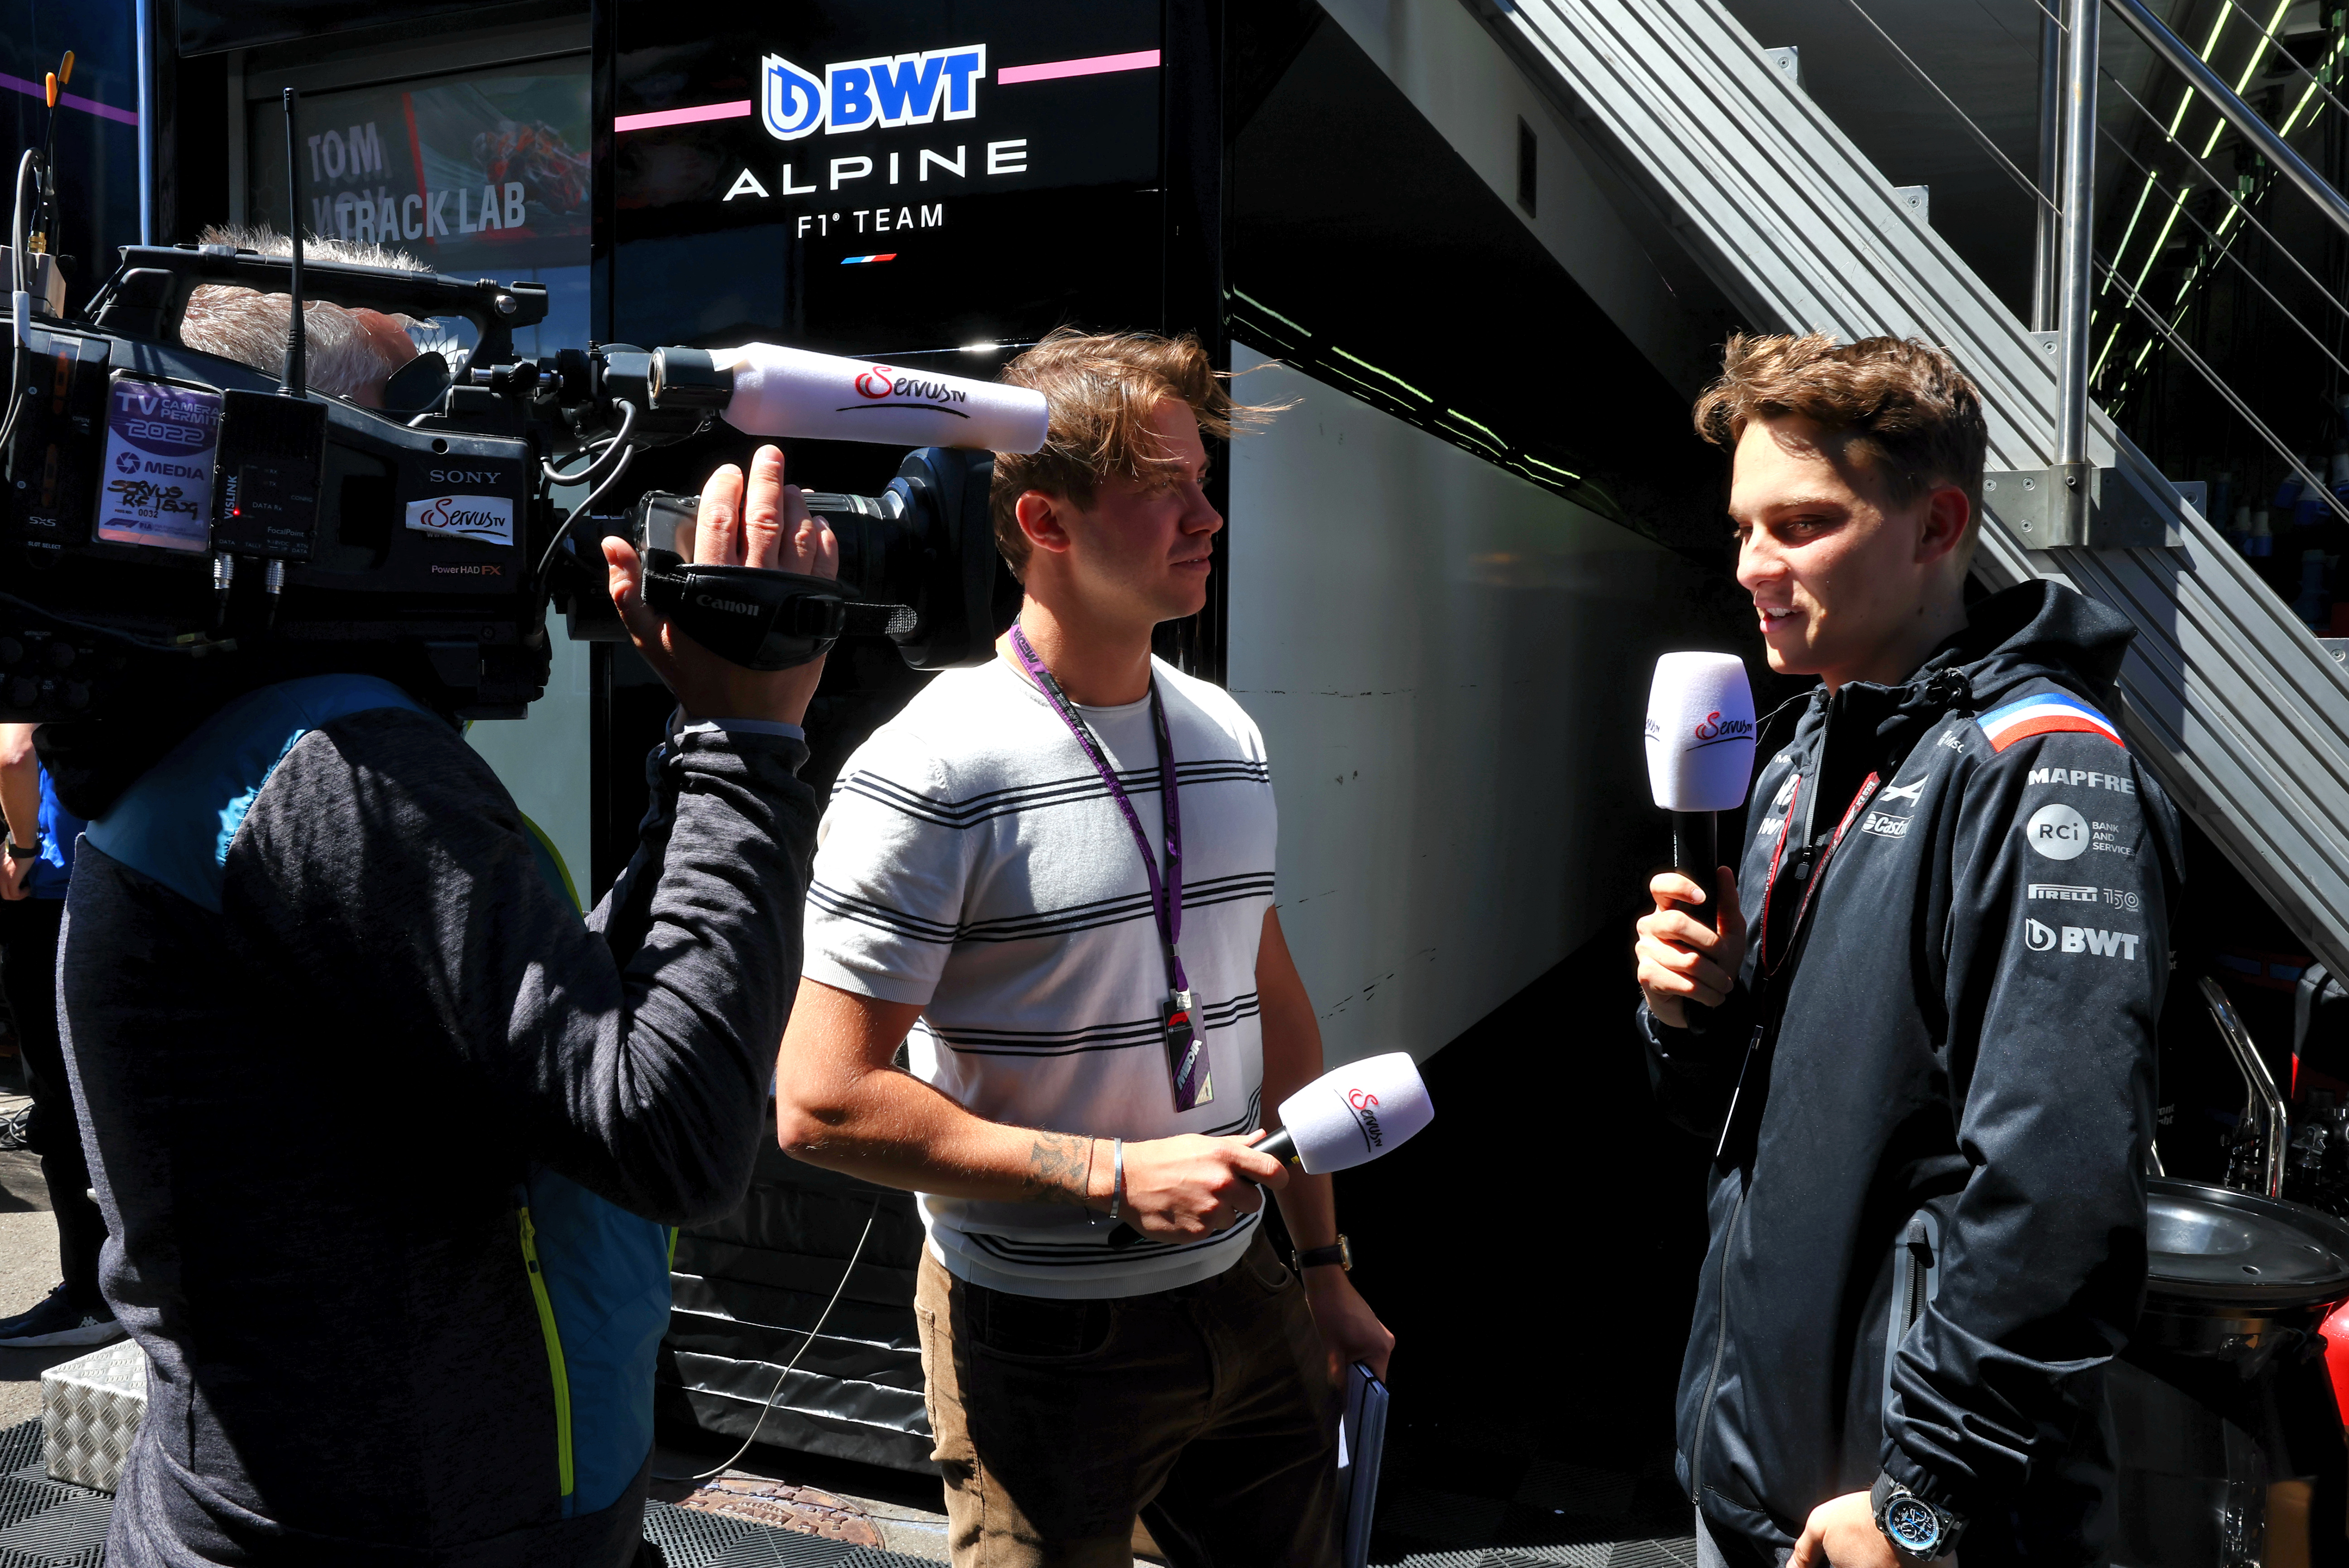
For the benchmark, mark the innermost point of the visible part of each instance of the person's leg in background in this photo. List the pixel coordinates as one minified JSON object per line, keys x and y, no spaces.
{"x":76,"y":1314}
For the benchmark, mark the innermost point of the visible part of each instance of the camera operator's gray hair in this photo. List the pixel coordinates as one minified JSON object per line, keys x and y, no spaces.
{"x":346,"y":355}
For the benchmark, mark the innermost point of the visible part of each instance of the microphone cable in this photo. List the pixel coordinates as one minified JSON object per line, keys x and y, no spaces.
{"x":728,"y":1463}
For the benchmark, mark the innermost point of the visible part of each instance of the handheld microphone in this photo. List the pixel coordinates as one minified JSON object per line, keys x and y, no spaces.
{"x":1699,"y":741}
{"x":767,"y":389}
{"x":1348,"y":1116}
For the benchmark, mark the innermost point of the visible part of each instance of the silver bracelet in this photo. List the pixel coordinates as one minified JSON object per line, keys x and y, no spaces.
{"x":1117,"y":1174}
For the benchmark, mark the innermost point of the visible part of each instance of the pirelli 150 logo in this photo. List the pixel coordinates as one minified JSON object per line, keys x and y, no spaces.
{"x":870,"y":95}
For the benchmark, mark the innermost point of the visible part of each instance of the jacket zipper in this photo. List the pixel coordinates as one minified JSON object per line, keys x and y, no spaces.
{"x":553,"y":1333}
{"x":1720,"y":1343}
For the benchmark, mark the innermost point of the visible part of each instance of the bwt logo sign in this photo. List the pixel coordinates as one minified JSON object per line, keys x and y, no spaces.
{"x":871,"y":95}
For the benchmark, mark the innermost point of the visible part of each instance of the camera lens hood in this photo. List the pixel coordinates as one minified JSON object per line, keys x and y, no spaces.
{"x":757,"y":618}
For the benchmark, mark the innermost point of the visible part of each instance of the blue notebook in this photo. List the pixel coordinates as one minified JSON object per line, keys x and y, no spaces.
{"x":1361,"y":1438}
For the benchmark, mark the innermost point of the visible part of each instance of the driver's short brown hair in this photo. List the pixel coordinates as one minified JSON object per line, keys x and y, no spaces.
{"x":1907,"y":409}
{"x":1100,"y":389}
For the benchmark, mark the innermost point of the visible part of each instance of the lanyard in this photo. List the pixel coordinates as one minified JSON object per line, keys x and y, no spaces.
{"x":1186,"y":1048}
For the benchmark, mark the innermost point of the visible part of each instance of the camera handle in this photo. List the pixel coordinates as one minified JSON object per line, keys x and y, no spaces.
{"x":758,"y":617}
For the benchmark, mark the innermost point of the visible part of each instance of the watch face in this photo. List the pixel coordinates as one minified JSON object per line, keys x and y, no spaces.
{"x":1912,"y":1526}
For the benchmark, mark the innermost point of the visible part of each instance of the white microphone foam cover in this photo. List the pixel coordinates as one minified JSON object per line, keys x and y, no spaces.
{"x":1352,"y":1114}
{"x":1700,"y":732}
{"x":781,"y":393}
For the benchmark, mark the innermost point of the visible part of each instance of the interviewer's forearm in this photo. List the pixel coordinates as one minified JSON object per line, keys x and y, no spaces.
{"x":892,"y":1129}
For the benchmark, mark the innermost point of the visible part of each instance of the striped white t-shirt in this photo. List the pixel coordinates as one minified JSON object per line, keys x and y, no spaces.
{"x":972,"y":860}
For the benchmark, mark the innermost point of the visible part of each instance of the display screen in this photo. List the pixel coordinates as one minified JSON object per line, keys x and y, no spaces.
{"x":161,"y":440}
{"x":891,"y":178}
{"x":476,"y":174}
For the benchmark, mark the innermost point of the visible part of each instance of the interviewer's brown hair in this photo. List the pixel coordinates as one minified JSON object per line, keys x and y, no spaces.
{"x":1909,"y":411}
{"x":1100,"y":388}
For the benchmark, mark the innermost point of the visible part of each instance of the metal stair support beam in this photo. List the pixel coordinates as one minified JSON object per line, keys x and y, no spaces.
{"x":2068,"y":472}
{"x":2227,"y":697}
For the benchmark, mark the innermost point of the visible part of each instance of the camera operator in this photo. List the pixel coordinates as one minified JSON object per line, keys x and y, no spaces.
{"x":386,"y":1136}
{"x":1928,"y":1070}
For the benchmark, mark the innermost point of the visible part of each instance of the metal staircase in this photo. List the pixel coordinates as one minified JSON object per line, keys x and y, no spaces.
{"x":2241,"y":711}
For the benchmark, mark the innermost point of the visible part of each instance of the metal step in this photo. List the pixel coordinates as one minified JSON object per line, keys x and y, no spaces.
{"x":2242,"y":714}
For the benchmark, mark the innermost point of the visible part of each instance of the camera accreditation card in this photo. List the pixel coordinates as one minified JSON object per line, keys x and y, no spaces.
{"x":158,"y":479}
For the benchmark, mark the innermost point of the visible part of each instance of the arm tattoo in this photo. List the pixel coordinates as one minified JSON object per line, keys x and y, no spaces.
{"x":1057,"y":1165}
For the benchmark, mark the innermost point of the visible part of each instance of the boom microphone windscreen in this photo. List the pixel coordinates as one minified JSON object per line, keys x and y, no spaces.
{"x":1352,"y":1114}
{"x":781,"y":391}
{"x":1700,"y":732}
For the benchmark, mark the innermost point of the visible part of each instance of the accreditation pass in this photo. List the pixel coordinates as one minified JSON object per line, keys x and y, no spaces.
{"x":156,"y":485}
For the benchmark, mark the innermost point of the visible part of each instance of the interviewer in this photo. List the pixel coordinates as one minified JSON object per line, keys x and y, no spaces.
{"x":385,"y":1135}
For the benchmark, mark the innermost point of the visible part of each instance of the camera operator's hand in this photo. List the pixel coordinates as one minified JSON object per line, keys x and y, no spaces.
{"x":1187,"y":1187}
{"x":767,"y":526}
{"x":1681,"y":961}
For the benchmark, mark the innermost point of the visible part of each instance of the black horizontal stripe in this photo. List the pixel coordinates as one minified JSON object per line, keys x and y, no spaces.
{"x":1114,"y":911}
{"x":1092,"y":1254}
{"x":1121,"y":1037}
{"x":1250,"y":1119}
{"x":865,"y":912}
{"x":991,"y":804}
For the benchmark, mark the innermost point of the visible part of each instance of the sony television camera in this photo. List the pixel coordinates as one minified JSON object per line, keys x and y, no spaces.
{"x":165,"y":506}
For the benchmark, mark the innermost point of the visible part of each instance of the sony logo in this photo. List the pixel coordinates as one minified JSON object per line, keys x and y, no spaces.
{"x":466,"y":476}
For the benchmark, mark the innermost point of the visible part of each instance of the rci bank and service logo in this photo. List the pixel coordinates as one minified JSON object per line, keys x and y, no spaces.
{"x":869,"y":94}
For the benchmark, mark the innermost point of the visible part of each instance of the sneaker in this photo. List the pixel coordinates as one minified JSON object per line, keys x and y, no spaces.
{"x":56,"y":1320}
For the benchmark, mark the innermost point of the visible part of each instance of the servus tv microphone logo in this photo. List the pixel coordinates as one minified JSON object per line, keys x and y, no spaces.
{"x":886,"y":91}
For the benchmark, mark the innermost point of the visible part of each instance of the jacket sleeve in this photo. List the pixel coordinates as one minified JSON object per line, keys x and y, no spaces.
{"x":388,"y":871}
{"x":2057,"y":942}
{"x":1692,"y":1070}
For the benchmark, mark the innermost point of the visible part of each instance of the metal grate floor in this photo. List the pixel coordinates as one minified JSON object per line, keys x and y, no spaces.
{"x":47,"y":1524}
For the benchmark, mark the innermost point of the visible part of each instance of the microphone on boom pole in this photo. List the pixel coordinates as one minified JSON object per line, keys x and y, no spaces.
{"x":1700,"y":742}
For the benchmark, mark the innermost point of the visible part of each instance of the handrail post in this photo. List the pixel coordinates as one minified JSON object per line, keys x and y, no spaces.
{"x":2071,"y":472}
{"x":2047,"y":256}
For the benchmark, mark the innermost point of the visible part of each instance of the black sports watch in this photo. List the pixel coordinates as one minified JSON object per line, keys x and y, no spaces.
{"x":1339,"y":1252}
{"x":1919,"y":1532}
{"x":19,"y":852}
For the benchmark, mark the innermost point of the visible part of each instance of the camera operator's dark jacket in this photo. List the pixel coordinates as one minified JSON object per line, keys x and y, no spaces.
{"x":344,"y":1060}
{"x":1954,"y":1091}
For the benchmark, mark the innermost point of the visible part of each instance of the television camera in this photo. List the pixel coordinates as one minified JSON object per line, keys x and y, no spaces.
{"x":165,"y":506}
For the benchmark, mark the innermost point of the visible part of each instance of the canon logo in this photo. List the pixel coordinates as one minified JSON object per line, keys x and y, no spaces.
{"x":731,"y":607}
{"x":466,"y":476}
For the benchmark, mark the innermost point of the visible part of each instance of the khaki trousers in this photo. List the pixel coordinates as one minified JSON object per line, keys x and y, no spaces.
{"x":1206,"y":1411}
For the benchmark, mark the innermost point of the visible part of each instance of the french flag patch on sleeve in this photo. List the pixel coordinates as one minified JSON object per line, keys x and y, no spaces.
{"x":2050,"y":714}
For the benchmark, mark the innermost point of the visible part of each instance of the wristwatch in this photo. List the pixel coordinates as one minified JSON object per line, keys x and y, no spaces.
{"x":1917,"y":1531}
{"x":1339,"y":1252}
{"x":18,"y":852}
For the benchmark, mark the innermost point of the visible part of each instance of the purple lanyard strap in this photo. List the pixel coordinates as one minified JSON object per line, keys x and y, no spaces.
{"x":1187,"y":1053}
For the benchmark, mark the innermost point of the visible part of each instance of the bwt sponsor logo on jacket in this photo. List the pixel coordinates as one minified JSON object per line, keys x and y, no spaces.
{"x":2079,"y":940}
{"x":882,"y":93}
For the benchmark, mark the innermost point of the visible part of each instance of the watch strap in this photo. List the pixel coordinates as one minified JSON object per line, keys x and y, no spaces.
{"x":1339,"y":1252}
{"x":21,"y":852}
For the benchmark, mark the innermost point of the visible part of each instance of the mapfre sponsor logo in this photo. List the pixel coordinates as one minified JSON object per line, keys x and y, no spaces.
{"x":1885,"y":826}
{"x":2041,"y":939}
{"x":880,"y":93}
{"x":488,"y":519}
{"x":2083,"y":777}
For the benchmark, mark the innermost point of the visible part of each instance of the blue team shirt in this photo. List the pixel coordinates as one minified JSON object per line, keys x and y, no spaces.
{"x":52,"y":873}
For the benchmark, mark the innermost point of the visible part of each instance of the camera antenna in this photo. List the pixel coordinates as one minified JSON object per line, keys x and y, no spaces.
{"x":296,"y":345}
